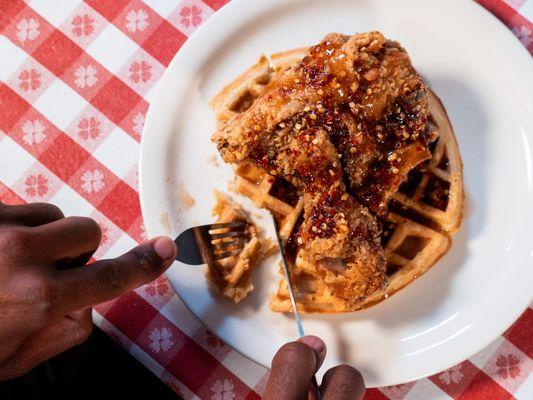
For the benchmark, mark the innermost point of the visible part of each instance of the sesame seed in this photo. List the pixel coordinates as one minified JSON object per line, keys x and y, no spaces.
{"x":282,"y":125}
{"x":313,"y":116}
{"x":393,"y":156}
{"x":352,"y":104}
{"x":394,"y":170}
{"x":299,"y":240}
{"x":298,"y":126}
{"x":320,"y":92}
{"x":307,"y":108}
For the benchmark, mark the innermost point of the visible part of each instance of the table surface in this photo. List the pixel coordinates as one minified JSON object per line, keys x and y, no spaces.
{"x":76,"y":79}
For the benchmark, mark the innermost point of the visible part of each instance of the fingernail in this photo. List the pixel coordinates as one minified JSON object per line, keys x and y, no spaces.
{"x":315,"y":343}
{"x":165,"y":248}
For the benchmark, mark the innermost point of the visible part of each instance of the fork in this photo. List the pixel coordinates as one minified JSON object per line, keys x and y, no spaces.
{"x":206,"y":244}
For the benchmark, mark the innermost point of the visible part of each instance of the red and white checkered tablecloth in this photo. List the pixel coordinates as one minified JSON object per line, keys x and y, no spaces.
{"x":76,"y":79}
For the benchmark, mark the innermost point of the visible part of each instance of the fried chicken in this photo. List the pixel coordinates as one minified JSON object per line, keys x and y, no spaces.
{"x":345,"y":126}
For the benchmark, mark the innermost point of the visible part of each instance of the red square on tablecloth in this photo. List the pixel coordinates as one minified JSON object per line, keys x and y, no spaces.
{"x":121,"y":205}
{"x":483,"y":387}
{"x":57,"y":52}
{"x":17,"y":107}
{"x":8,"y":196}
{"x":164,"y":42}
{"x":374,"y":394}
{"x":109,"y":9}
{"x":116,"y":99}
{"x":64,"y":157}
{"x":521,"y":333}
{"x":196,"y":370}
{"x":9,"y":9}
{"x":215,"y":4}
{"x":131,"y":314}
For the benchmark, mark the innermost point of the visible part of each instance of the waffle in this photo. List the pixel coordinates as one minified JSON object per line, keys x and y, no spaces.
{"x":419,"y":221}
{"x":232,"y":276}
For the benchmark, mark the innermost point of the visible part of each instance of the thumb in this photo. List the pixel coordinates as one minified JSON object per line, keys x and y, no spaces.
{"x":293,"y":368}
{"x":106,"y":279}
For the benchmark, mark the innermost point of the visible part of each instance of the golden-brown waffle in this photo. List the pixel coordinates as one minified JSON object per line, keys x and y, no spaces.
{"x":232,"y":276}
{"x":417,"y":228}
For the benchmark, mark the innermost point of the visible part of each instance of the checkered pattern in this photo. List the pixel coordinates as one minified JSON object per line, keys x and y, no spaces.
{"x":76,"y":79}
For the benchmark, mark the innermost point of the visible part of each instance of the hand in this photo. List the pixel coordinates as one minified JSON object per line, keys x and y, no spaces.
{"x":294,"y":366}
{"x":46,"y":293}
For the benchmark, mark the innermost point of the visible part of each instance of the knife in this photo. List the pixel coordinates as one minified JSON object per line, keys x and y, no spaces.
{"x":299,"y":325}
{"x":288,"y":280}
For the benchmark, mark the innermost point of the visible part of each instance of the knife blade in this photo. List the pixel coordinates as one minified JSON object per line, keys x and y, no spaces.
{"x":299,"y":325}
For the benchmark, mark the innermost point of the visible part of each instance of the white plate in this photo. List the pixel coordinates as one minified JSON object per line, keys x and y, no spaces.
{"x":483,"y":76}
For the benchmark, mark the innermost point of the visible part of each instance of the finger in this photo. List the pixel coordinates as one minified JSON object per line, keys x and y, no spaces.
{"x":293,"y":367}
{"x":63,"y":334}
{"x":33,"y":214}
{"x":318,"y":346}
{"x":106,"y":279}
{"x":66,"y":238}
{"x":342,"y":383}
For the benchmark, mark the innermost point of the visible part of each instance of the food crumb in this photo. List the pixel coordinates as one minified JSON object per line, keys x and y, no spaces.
{"x":213,"y":159}
{"x":186,"y":201}
{"x":163,"y":218}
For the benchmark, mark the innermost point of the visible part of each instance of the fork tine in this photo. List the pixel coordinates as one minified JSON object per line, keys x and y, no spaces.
{"x":228,"y":243}
{"x":227,"y":225}
{"x":226,"y":254}
{"x":226,"y":235}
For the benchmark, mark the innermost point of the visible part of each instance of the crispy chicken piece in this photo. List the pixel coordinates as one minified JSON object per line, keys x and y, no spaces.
{"x":345,"y":127}
{"x":365,"y":91}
